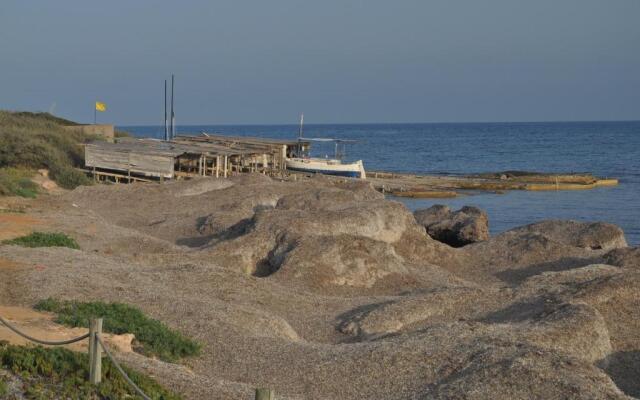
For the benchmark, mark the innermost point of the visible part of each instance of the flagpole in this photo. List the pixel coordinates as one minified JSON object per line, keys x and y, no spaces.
{"x":95,"y":114}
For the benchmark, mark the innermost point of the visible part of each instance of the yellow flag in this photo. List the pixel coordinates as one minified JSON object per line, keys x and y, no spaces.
{"x":101,"y":106}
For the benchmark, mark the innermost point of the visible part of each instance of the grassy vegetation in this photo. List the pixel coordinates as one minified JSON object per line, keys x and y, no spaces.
{"x":43,"y":239}
{"x":39,"y":140}
{"x":62,"y":374}
{"x":17,"y":182}
{"x":153,"y":337}
{"x":3,"y":387}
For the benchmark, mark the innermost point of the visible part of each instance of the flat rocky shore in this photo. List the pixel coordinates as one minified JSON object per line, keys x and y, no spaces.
{"x":322,"y":289}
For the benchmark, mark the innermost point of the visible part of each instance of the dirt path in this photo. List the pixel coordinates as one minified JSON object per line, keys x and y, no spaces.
{"x":41,"y":326}
{"x":15,"y":225}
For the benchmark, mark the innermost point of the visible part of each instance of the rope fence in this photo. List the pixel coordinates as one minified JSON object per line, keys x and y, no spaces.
{"x":124,"y":374}
{"x":95,"y":355}
{"x":43,"y":342}
{"x":96,"y":345}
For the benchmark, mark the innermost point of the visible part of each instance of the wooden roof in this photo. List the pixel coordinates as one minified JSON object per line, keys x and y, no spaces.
{"x":239,"y":141}
{"x":174,"y":148}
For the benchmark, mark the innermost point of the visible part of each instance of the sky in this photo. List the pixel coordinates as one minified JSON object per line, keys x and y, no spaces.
{"x":338,"y":61}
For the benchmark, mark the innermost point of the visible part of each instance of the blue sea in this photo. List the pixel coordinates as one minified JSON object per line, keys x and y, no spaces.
{"x":606,"y":149}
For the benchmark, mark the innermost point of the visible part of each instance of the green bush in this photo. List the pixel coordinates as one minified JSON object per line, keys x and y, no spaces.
{"x":3,"y":387}
{"x":39,"y":140}
{"x":17,"y":182}
{"x":153,"y":337}
{"x":60,"y":373}
{"x":69,"y":178}
{"x":42,"y":239}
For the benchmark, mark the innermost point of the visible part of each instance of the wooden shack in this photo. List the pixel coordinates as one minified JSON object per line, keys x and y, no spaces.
{"x":186,"y":156}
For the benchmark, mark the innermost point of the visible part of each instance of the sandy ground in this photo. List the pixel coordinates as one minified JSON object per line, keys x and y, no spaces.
{"x":41,"y":326}
{"x":321,"y":289}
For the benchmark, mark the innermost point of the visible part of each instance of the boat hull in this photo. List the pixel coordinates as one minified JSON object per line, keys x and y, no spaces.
{"x":327,"y":167}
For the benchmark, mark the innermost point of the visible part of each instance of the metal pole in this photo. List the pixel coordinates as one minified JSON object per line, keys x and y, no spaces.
{"x":173,"y":115}
{"x":166,"y":128}
{"x":301,"y":124}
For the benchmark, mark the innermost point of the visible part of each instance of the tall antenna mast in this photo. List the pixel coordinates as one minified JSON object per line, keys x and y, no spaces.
{"x":301,"y":124}
{"x":173,"y":114}
{"x":166,"y":126}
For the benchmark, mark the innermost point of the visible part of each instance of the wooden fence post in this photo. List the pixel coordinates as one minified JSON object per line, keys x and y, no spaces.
{"x":265,"y":394}
{"x":95,"y":351}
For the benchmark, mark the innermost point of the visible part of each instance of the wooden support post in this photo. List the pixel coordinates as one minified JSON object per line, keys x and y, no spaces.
{"x":217,"y":166}
{"x":95,"y":352}
{"x":265,"y":394}
{"x":225,"y":166}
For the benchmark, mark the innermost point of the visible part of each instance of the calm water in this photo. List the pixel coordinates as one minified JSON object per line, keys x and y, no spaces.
{"x":607,"y":149}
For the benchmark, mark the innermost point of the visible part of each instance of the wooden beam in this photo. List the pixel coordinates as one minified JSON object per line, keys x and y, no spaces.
{"x":265,"y":394}
{"x":95,"y":351}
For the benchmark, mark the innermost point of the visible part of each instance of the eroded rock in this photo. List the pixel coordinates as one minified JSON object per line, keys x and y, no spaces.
{"x":586,"y":235}
{"x":455,"y":228}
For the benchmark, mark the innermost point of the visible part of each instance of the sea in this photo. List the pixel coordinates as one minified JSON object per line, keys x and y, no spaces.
{"x":605,"y":149}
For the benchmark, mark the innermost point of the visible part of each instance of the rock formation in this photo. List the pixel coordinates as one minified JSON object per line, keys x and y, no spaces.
{"x":455,"y":228}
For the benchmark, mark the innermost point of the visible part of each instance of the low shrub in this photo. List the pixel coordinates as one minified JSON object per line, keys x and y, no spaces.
{"x":39,"y":140}
{"x":62,"y":374}
{"x":43,"y":239}
{"x":3,"y":387}
{"x":69,"y":178}
{"x":152,"y":336}
{"x":17,"y":182}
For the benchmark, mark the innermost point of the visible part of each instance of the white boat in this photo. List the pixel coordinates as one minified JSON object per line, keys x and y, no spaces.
{"x":327,"y":166}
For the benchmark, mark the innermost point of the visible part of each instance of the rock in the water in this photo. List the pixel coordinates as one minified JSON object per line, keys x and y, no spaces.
{"x":459,"y":228}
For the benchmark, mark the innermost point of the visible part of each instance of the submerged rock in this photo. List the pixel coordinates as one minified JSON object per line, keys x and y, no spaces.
{"x":458,"y":228}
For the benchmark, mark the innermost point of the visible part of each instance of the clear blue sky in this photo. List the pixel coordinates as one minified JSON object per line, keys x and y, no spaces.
{"x":240,"y":61}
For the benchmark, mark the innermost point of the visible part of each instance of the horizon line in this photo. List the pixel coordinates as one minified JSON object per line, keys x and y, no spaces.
{"x":389,"y":123}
